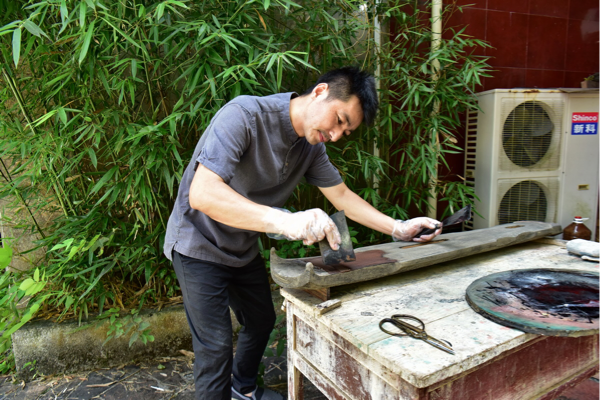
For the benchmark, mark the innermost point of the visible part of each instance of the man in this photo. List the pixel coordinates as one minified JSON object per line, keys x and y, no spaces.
{"x":249,"y":160}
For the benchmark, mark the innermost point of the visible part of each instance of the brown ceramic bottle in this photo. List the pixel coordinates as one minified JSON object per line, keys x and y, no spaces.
{"x":577,"y":230}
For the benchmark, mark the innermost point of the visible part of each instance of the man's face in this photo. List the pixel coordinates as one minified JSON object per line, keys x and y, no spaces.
{"x":327,"y":120}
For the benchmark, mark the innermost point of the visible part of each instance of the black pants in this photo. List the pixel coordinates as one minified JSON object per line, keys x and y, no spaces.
{"x":209,"y":289}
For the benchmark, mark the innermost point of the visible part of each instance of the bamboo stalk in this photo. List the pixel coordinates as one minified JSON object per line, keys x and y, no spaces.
{"x":9,"y":179}
{"x":436,"y":40}
{"x":21,"y":102}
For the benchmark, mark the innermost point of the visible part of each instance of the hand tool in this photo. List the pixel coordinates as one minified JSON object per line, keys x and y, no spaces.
{"x":345,"y":252}
{"x":414,"y":331}
{"x":462,"y":215}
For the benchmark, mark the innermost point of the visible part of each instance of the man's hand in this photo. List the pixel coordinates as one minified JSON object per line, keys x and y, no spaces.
{"x":310,"y":226}
{"x":406,"y":230}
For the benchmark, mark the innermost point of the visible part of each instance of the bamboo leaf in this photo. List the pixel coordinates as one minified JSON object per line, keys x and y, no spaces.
{"x":107,"y":176}
{"x":44,"y":118}
{"x":211,"y":81}
{"x":127,"y":37}
{"x":26,"y":284}
{"x":64,"y":12}
{"x":86,"y":42}
{"x":139,"y":216}
{"x":69,"y":302}
{"x":62,"y":115}
{"x":93,"y":157}
{"x":5,"y":256}
{"x":16,"y":46}
{"x":160,"y":10}
{"x":262,"y":21}
{"x":7,"y":333}
{"x":82,"y":12}
{"x":279,"y":73}
{"x":133,"y":67}
{"x":34,"y":289}
{"x":301,"y":61}
{"x":216,"y":20}
{"x":6,"y":29}
{"x":100,"y":275}
{"x":59,"y":78}
{"x":34,"y":29}
{"x":271,"y":62}
{"x":133,"y":338}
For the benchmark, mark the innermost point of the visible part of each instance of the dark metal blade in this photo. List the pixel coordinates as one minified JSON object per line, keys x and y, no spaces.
{"x":346,"y":252}
{"x":462,"y":215}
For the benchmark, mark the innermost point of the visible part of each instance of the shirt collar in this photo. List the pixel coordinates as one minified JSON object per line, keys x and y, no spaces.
{"x":290,"y":132}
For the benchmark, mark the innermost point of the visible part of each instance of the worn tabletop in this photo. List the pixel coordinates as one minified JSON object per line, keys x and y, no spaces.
{"x":436,"y":295}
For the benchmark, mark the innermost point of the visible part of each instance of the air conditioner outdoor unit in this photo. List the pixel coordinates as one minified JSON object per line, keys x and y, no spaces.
{"x":532,"y":154}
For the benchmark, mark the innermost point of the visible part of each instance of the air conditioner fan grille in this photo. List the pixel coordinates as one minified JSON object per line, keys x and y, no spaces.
{"x":524,"y":201}
{"x":527,"y":134}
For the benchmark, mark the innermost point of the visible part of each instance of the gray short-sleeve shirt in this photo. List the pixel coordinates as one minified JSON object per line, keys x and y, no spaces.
{"x":251,"y":144}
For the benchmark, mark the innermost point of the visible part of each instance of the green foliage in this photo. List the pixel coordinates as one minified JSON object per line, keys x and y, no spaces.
{"x":5,"y":256}
{"x":275,"y":346}
{"x":102,"y":104}
{"x":131,"y":325}
{"x":17,"y":289}
{"x":421,"y":112}
{"x":277,"y":339}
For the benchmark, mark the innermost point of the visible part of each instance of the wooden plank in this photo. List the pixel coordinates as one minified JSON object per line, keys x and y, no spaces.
{"x":295,"y":389}
{"x":555,"y":242}
{"x":325,"y":385}
{"x":297,"y":273}
{"x":353,"y":351}
{"x":525,"y":255}
{"x":423,"y":365}
{"x":536,"y":255}
{"x":525,"y":374}
{"x":569,"y":383}
{"x":351,"y":376}
{"x":321,"y":293}
{"x":327,"y":306}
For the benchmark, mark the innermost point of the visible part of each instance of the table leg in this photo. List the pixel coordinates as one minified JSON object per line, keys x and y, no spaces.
{"x":295,"y":389}
{"x":295,"y":384}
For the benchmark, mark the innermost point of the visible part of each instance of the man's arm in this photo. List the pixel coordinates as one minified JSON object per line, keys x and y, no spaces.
{"x":210,"y":194}
{"x":365,"y":214}
{"x":357,"y":209}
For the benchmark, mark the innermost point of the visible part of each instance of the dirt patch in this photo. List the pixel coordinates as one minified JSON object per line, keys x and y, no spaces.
{"x":164,"y":379}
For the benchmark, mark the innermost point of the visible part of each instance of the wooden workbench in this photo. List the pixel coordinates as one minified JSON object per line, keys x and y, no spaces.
{"x":346,"y":356}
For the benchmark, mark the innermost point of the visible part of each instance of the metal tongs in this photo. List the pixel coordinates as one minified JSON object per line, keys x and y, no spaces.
{"x":414,"y":331}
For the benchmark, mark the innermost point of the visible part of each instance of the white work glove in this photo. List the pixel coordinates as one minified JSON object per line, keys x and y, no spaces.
{"x":310,"y":226}
{"x":406,"y":230}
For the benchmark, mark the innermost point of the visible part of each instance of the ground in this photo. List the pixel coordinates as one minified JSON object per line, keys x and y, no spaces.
{"x":168,"y":378}
{"x":171,"y":378}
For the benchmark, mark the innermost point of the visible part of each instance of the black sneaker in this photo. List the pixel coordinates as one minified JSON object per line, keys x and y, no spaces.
{"x":257,"y":394}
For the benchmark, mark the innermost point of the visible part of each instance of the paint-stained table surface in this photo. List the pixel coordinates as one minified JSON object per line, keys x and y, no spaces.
{"x":347,"y":356}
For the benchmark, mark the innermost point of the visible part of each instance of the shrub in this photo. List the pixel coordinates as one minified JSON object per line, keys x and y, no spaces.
{"x":103,"y":102}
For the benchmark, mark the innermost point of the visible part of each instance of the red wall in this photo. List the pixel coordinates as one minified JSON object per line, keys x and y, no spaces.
{"x":537,"y":43}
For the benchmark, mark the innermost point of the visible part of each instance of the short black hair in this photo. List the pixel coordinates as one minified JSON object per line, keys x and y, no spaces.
{"x":347,"y":81}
